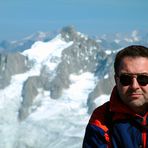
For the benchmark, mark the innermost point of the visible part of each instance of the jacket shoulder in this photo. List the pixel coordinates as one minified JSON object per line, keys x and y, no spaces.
{"x":101,"y":116}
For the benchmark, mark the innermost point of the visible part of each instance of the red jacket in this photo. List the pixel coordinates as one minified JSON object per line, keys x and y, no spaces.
{"x":115,"y":125}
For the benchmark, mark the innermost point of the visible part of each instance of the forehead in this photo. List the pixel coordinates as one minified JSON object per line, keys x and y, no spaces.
{"x":134,"y":64}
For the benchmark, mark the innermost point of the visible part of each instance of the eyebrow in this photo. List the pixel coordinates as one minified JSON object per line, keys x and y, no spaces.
{"x":143,"y":73}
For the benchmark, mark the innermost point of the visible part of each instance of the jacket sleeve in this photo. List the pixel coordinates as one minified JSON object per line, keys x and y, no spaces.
{"x":94,"y":137}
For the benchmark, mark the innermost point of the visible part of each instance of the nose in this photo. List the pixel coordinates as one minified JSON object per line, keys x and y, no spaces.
{"x":134,"y":84}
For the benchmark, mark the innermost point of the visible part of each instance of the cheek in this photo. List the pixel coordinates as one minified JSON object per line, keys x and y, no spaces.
{"x":145,"y":90}
{"x":122,"y":90}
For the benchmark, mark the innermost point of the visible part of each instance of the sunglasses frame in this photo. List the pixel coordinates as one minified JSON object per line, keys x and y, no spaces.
{"x":130,"y":76}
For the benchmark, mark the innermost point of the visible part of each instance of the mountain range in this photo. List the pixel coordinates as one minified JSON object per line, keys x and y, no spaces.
{"x":51,"y":82}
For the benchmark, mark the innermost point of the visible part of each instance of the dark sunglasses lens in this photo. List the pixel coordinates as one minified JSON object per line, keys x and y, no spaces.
{"x":125,"y":80}
{"x":142,"y":80}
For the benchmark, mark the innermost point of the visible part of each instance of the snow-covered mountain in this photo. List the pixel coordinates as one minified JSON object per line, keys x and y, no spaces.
{"x":119,"y":40}
{"x":49,"y":89}
{"x":23,"y":44}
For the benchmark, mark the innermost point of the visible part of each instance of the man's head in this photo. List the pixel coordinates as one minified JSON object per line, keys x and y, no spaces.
{"x":130,"y":51}
{"x":131,"y":77}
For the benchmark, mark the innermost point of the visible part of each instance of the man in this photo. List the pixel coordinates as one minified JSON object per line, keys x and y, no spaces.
{"x":123,"y":121}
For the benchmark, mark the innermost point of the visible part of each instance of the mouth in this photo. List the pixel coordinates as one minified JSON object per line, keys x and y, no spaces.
{"x":135,"y":95}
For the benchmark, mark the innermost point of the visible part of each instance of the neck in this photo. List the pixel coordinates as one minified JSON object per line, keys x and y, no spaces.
{"x":142,"y":110}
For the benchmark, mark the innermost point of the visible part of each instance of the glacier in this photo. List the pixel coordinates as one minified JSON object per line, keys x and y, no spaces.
{"x":51,"y":123}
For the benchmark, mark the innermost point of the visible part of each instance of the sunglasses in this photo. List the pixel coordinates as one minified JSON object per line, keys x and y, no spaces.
{"x":127,"y":79}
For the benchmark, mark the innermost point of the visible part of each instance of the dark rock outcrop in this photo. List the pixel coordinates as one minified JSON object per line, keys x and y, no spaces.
{"x":11,"y":64}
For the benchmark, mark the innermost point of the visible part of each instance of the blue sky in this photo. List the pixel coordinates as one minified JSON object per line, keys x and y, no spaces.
{"x":20,"y":18}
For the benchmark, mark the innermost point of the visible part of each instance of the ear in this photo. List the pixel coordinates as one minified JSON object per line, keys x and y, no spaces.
{"x":115,"y":78}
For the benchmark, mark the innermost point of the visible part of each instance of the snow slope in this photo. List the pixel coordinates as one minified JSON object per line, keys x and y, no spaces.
{"x":51,"y":123}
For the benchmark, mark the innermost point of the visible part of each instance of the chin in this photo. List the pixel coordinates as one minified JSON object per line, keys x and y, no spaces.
{"x":136,"y":104}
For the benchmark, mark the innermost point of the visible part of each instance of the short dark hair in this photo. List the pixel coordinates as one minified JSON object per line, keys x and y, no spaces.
{"x":130,"y":51}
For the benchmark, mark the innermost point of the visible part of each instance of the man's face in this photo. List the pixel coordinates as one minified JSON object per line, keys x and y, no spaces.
{"x":133,"y":94}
